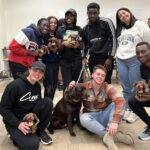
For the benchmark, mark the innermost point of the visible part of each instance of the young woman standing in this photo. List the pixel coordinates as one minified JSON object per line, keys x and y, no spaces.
{"x":129,"y":32}
{"x":51,"y":59}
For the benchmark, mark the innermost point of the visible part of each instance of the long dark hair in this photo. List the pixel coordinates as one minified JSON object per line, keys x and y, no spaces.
{"x":49,"y":18}
{"x":120,"y":25}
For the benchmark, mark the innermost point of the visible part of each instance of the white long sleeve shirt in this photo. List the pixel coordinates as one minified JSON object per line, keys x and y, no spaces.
{"x":129,"y":38}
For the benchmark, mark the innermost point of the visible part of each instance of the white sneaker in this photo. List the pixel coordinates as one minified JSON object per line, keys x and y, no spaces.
{"x":126,"y":114}
{"x":132,"y":117}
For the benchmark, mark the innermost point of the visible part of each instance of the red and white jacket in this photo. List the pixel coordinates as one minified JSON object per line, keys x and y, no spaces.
{"x":28,"y":39}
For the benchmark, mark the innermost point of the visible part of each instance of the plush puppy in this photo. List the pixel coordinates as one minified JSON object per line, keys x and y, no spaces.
{"x":73,"y":38}
{"x":32,"y":121}
{"x":142,"y":91}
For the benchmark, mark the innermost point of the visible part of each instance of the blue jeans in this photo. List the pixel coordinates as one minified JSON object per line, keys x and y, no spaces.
{"x":129,"y":73}
{"x":97,"y":122}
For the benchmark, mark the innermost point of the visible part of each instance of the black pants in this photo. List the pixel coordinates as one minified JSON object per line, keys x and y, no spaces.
{"x":17,"y":69}
{"x":94,"y":60}
{"x":51,"y":78}
{"x":70,"y":70}
{"x":138,"y":108}
{"x":43,"y":110}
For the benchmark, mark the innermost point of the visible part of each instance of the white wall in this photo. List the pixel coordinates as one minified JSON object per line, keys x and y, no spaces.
{"x":20,"y":13}
{"x":16,"y":14}
{"x":2,"y":32}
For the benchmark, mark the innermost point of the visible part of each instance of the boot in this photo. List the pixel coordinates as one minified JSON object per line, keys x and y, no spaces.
{"x":109,"y":142}
{"x":124,"y":138}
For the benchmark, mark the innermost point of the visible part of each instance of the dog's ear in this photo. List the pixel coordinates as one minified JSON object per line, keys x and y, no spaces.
{"x":70,"y":94}
{"x":73,"y":93}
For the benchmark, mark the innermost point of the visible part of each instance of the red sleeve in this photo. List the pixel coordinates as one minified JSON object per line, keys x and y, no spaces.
{"x":17,"y":48}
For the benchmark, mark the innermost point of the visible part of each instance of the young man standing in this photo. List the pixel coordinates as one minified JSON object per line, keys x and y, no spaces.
{"x":25,"y":48}
{"x":21,"y":97}
{"x":138,"y":102}
{"x":103,"y":110}
{"x":99,"y":39}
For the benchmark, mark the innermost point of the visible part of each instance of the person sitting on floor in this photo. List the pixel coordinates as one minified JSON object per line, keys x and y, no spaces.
{"x":103,"y":109}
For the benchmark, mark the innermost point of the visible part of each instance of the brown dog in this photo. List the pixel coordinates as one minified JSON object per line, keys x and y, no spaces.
{"x":32,"y":121}
{"x":68,"y":109}
{"x":142,"y":90}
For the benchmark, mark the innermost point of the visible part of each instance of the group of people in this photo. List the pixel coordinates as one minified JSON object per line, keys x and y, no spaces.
{"x":40,"y":50}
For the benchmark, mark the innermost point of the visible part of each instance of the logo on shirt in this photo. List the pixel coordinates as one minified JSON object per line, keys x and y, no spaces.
{"x":125,"y":39}
{"x":32,"y":46}
{"x":66,"y":36}
{"x":95,"y":40}
{"x":28,"y":97}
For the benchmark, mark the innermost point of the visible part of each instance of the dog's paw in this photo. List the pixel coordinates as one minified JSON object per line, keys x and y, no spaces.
{"x":51,"y":131}
{"x":72,"y":134}
{"x":81,"y":128}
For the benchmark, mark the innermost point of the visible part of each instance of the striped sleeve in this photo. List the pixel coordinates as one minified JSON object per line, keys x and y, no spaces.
{"x":111,"y":30}
{"x":119,"y":103}
{"x":17,"y":46}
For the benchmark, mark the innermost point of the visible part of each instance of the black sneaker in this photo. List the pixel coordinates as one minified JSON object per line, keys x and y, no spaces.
{"x":14,"y":143}
{"x":45,"y":138}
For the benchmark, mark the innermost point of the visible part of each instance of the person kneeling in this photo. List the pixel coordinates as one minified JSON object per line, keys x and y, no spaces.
{"x":25,"y":114}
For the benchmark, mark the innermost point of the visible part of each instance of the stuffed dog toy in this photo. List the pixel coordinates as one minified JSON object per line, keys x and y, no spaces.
{"x":53,"y":45}
{"x":43,"y":50}
{"x":142,"y":90}
{"x":32,"y":121}
{"x":68,"y":109}
{"x":73,"y":38}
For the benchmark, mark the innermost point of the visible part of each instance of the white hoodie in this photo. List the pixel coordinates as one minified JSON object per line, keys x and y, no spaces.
{"x":129,"y":38}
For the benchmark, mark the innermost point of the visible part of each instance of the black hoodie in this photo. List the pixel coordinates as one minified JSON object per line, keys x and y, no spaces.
{"x":18,"y":99}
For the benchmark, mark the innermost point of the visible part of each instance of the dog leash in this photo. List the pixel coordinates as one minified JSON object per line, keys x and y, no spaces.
{"x":84,"y":67}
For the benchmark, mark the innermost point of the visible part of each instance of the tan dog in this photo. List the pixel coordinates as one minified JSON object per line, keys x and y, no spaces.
{"x":53,"y":45}
{"x":142,"y":90}
{"x":43,"y":50}
{"x":73,"y":38}
{"x":32,"y":121}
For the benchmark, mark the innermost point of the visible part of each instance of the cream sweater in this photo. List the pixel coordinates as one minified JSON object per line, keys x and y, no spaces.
{"x":130,"y":37}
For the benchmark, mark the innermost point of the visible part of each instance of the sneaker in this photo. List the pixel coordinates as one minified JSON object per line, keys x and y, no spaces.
{"x":132,"y":117}
{"x":126,"y":114}
{"x":45,"y":138}
{"x":145,"y":135}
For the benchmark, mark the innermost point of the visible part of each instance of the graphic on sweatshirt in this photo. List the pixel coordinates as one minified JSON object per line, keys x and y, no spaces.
{"x":29,"y":97}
